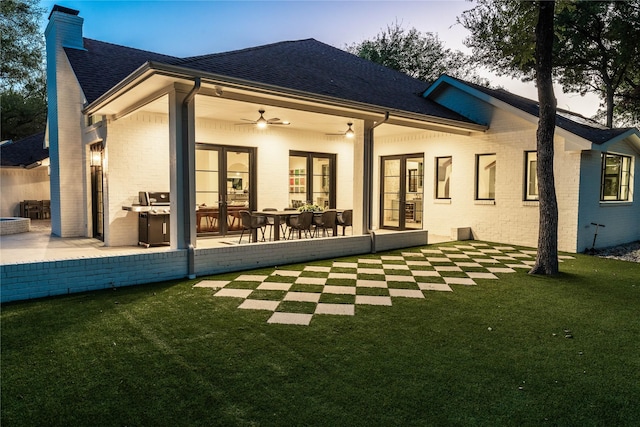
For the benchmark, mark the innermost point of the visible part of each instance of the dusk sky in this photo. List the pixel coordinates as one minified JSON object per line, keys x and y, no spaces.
{"x":188,"y":28}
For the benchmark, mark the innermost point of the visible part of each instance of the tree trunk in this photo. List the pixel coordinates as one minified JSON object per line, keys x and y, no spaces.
{"x":547,"y":258}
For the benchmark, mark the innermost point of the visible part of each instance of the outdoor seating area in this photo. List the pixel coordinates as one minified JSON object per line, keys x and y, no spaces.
{"x":291,"y":224}
{"x":35,"y":209}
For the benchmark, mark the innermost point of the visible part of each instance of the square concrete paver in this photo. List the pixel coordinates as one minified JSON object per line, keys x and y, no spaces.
{"x":215,"y":284}
{"x":345,"y":264}
{"x":406,"y":293}
{"x":234,"y":293}
{"x":435,"y":287}
{"x":257,"y":304}
{"x":311,"y":280}
{"x":343,"y":276}
{"x":480,"y":275}
{"x":291,"y":318}
{"x":392,"y":278}
{"x":342,"y":290}
{"x":425,"y":273}
{"x":251,"y":278}
{"x":459,"y":281}
{"x":370,"y":271}
{"x":302,"y":296}
{"x":373,"y":300}
{"x":287,"y":273}
{"x":317,"y":268}
{"x":274,"y":286}
{"x":501,"y":270}
{"x":371,"y":283}
{"x":338,"y":309}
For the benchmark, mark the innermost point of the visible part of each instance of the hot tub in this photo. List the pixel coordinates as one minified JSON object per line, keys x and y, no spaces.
{"x":14,"y":225}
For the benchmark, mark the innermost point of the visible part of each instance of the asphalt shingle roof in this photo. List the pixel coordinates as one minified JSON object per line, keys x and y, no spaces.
{"x":303,"y":65}
{"x":594,"y":133}
{"x":24,"y":151}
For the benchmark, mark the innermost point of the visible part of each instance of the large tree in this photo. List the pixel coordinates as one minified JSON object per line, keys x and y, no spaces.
{"x":516,"y":37}
{"x":420,"y":55}
{"x":22,"y":86}
{"x":597,"y":49}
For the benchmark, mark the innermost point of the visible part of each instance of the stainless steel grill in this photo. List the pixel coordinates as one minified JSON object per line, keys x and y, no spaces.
{"x":153,"y":222}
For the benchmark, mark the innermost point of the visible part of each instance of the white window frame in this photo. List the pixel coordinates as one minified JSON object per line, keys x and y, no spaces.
{"x":530,"y":176}
{"x":485,"y":176}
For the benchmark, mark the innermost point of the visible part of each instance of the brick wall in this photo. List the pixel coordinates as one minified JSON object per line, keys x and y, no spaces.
{"x":43,"y":279}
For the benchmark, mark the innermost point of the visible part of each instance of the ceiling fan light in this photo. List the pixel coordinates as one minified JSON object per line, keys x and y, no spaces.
{"x":350,"y":133}
{"x":261,"y":123}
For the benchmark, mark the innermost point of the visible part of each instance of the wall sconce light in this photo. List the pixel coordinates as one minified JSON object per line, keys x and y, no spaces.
{"x":95,"y":158}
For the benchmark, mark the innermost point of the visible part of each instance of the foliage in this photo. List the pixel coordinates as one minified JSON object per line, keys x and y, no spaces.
{"x":22,"y":115}
{"x":596,"y":47}
{"x":492,"y":354}
{"x":310,"y":208}
{"x":22,"y":53}
{"x":23,"y":95}
{"x":420,"y":55}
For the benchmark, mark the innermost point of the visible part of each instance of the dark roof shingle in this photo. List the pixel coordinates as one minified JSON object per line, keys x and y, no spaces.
{"x":24,"y":151}
{"x":303,"y":65}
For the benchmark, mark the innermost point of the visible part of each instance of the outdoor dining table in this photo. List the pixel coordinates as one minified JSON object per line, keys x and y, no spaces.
{"x":279,"y":215}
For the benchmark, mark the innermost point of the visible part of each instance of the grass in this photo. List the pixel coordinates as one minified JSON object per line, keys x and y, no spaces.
{"x":493,"y":354}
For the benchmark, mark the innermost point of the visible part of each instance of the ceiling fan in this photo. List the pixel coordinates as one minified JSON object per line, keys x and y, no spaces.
{"x":262,"y":122}
{"x":349,"y":133}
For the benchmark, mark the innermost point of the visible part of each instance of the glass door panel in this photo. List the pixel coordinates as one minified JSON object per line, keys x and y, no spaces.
{"x":321,"y":182}
{"x":297,"y":181}
{"x":391,"y":192}
{"x":237,"y":187}
{"x":413,"y":195}
{"x":402,"y":190}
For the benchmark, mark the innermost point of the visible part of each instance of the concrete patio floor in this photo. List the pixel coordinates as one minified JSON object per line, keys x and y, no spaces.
{"x":39,"y":245}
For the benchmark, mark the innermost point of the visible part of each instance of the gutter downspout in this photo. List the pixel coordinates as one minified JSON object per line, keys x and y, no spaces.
{"x":186,"y":171}
{"x":368,"y":182}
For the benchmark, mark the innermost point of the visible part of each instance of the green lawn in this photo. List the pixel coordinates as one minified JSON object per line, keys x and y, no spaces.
{"x":172,"y":355}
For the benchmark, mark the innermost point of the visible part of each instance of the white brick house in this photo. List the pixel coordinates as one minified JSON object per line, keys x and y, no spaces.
{"x":440,"y":157}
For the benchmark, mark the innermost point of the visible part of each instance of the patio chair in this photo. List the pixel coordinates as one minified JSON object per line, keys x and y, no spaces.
{"x":250,"y":223}
{"x":301,"y":223}
{"x":46,"y":209}
{"x":345,"y":219}
{"x":271,"y":222}
{"x":33,"y":209}
{"x":326,"y":222}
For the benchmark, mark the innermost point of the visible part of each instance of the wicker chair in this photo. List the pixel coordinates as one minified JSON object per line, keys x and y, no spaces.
{"x":345,"y":219}
{"x":301,"y":223}
{"x":251,"y":222}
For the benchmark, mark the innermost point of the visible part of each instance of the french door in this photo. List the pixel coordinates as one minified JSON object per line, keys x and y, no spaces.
{"x":401,"y":205}
{"x":225,"y":185}
{"x":312,"y":179}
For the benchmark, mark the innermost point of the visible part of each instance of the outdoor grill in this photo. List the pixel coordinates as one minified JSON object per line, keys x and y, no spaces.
{"x":154,"y":219}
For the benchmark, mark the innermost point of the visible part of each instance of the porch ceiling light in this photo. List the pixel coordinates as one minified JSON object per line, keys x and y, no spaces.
{"x":349,"y":133}
{"x":262,"y":123}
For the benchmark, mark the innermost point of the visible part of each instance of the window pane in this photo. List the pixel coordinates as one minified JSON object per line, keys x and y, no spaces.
{"x":531,"y":176}
{"x":443,"y":170}
{"x":486,"y":177}
{"x":616,"y":172}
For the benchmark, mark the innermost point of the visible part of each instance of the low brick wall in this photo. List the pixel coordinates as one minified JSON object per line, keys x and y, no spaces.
{"x":14,"y":225}
{"x":43,"y":279}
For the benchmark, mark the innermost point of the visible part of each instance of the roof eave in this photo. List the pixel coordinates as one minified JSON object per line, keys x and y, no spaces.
{"x":150,"y":68}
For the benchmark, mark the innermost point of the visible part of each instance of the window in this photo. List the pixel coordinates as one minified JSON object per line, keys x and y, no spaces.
{"x":485,"y":177}
{"x":530,"y":175}
{"x":443,"y":177}
{"x":616,"y":170}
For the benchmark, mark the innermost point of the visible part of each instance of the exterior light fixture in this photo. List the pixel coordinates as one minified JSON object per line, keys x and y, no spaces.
{"x":350,"y":133}
{"x":261,"y":123}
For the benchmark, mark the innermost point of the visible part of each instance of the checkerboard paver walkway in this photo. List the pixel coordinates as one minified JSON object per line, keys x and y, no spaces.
{"x":294,"y":297}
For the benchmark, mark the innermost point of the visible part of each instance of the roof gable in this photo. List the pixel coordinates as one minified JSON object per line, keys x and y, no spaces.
{"x":571,"y":122}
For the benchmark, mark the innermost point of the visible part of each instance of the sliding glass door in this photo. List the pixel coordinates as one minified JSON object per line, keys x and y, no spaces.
{"x":225,"y":185}
{"x":401,"y":192}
